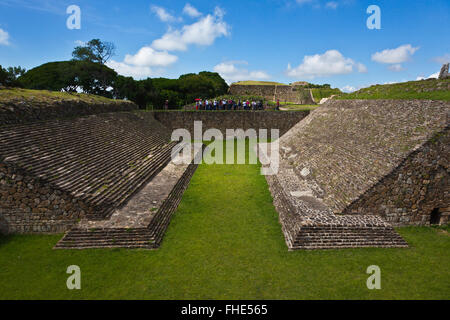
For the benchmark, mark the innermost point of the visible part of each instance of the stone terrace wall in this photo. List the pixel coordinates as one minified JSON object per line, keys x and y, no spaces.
{"x":412,"y":191}
{"x":223,"y":120}
{"x":53,"y":173}
{"x":295,"y":94}
{"x":344,"y":149}
{"x":31,"y":205}
{"x":24,"y":111}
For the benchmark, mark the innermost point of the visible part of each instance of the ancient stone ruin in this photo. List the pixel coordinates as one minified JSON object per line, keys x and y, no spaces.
{"x":352,"y":169}
{"x":295,"y":93}
{"x":106,"y":178}
{"x":444,"y":72}
{"x":104,"y":174}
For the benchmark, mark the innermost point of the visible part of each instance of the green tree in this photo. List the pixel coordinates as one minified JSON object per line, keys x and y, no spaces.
{"x":71,"y":76}
{"x":94,"y":51}
{"x":8,"y":77}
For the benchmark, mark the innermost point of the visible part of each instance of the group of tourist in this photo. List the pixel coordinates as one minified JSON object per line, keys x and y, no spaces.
{"x":230,"y":104}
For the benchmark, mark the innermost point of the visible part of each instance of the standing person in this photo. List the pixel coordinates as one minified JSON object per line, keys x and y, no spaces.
{"x":166,"y":105}
{"x":207,"y":104}
{"x":239,"y":104}
{"x":196,"y":105}
{"x":278,"y":104}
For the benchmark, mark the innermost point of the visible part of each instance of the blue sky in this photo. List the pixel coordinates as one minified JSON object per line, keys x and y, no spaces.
{"x":320,"y":41}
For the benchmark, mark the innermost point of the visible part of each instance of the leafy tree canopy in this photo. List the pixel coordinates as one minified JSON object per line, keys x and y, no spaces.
{"x":71,"y":76}
{"x":9,"y":76}
{"x":94,"y":51}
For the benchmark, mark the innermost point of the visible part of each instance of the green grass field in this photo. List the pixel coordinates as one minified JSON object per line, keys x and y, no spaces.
{"x":432,"y":89}
{"x":8,"y":94}
{"x":321,"y":93}
{"x":225,"y":242}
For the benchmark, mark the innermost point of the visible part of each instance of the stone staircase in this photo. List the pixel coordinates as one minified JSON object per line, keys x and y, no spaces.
{"x":101,"y":160}
{"x":348,"y":237}
{"x":106,"y":238}
{"x":147,"y":236}
{"x":308,"y":224}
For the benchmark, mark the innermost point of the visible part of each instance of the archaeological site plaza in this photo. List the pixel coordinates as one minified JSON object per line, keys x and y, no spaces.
{"x":103,"y":174}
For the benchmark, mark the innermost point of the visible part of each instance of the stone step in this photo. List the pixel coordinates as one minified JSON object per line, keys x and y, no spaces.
{"x":146,"y":238}
{"x":347,"y":237}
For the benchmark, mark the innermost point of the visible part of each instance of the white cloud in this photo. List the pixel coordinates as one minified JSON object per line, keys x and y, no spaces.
{"x":361,"y":68}
{"x":141,"y":64}
{"x":230,"y":71}
{"x":395,"y":56}
{"x":80,"y":43}
{"x":149,"y":57}
{"x":330,"y":63}
{"x":130,"y":70}
{"x":444,"y":59}
{"x":163,"y":15}
{"x":348,"y":89}
{"x":332,"y":5}
{"x":191,"y":11}
{"x":432,"y":76}
{"x":4,"y":37}
{"x":203,"y":32}
{"x":396,"y":67}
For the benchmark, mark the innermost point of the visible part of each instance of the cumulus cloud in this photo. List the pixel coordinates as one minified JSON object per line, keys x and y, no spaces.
{"x":141,"y":64}
{"x":233,"y":71}
{"x":330,"y":63}
{"x":137,"y":72}
{"x":191,"y":11}
{"x":149,"y":57}
{"x":432,"y":76}
{"x":444,"y":59}
{"x":396,"y":67}
{"x":395,"y":56}
{"x":151,"y":60}
{"x":203,"y":32}
{"x":348,"y":89}
{"x":4,"y":37}
{"x":163,"y":15}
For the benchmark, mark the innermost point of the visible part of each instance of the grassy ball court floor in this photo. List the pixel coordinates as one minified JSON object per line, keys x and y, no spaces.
{"x":225,"y":242}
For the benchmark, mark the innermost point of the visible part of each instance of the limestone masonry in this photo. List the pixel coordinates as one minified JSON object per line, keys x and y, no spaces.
{"x":232,"y":120}
{"x":444,"y":72}
{"x":292,"y":93}
{"x":351,"y":168}
{"x":104,"y":174}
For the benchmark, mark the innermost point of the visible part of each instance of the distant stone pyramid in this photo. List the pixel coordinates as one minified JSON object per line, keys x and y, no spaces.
{"x":444,"y":72}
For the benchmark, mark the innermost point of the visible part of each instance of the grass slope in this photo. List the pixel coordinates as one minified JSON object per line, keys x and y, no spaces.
{"x":320,"y":93}
{"x":225,"y":242}
{"x":430,"y":89}
{"x":12,"y":94}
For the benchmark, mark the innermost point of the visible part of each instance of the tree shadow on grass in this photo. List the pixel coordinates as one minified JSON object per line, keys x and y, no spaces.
{"x":5,"y":239}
